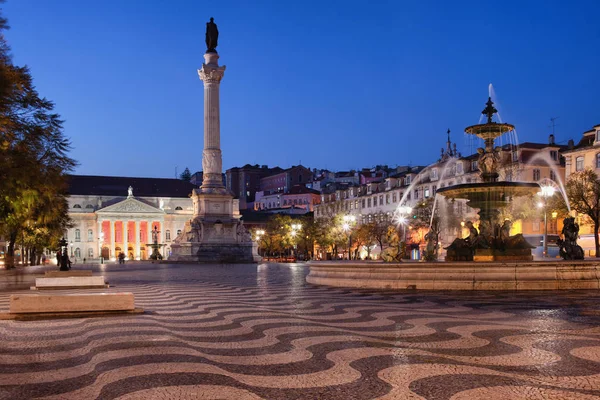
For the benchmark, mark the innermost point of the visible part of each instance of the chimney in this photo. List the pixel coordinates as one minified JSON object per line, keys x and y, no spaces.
{"x":551,"y":139}
{"x":571,"y":144}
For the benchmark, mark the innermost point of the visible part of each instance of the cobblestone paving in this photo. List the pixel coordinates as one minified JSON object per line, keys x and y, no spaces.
{"x":250,"y":332}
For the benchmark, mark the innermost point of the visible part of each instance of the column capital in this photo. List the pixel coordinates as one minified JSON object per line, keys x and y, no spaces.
{"x":210,"y":73}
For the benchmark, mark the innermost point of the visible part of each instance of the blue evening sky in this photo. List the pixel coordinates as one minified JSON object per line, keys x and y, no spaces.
{"x":333,"y":84}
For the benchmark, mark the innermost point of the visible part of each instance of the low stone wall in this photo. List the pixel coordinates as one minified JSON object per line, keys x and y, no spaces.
{"x":551,"y":275}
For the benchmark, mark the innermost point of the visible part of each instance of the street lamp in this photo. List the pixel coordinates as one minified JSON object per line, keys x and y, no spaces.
{"x":258,"y":234}
{"x":100,"y":243}
{"x":546,"y":192}
{"x":295,"y":229}
{"x":403,"y":212}
{"x":348,"y":220}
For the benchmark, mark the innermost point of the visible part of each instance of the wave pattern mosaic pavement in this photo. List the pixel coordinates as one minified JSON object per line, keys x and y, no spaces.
{"x":251,"y":332}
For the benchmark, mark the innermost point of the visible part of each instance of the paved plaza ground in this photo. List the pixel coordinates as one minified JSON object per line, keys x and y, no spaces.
{"x":260,"y":331}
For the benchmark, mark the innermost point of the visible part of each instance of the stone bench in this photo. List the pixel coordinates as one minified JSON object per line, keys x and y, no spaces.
{"x":70,"y":282}
{"x":64,"y":274}
{"x":69,"y":303}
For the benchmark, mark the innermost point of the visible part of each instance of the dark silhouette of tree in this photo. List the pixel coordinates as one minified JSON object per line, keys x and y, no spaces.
{"x":33,"y":161}
{"x":186,"y":175}
{"x":583,"y":192}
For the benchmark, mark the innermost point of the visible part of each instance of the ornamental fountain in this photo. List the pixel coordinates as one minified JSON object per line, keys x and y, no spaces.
{"x":489,"y":258}
{"x":493,"y":241}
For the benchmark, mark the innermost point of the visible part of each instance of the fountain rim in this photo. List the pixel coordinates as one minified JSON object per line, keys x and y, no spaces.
{"x":493,"y":128}
{"x":487,"y":185}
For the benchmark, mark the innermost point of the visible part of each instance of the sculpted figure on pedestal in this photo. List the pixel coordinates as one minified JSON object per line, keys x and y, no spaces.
{"x":211,"y":161}
{"x":569,"y":249}
{"x":212,"y":36}
{"x":243,"y":236}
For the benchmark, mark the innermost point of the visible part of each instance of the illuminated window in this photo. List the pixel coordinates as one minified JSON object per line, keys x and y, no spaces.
{"x":536,"y":174}
{"x":77,"y":235}
{"x":579,"y":164}
{"x":90,"y":252}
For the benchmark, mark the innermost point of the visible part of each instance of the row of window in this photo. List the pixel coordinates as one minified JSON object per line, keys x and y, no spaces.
{"x":90,"y":236}
{"x":77,"y":253}
{"x":178,"y":208}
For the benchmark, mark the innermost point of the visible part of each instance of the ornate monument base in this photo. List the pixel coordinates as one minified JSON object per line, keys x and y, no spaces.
{"x":216,"y":234}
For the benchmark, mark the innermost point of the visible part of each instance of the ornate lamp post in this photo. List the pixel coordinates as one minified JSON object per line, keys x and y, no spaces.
{"x":349,"y":220}
{"x":259,"y":233}
{"x":545,"y":193}
{"x":100,"y":243}
{"x":403,"y":212}
{"x":295,"y":229}
{"x":62,"y":259}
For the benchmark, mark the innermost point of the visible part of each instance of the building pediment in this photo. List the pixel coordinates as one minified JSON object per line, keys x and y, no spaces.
{"x":130,"y":206}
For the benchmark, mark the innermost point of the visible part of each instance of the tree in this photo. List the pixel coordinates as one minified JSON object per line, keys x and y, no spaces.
{"x":186,"y":175}
{"x":33,"y":160}
{"x":330,"y":234}
{"x":583,"y":192}
{"x":379,"y":232}
{"x":364,"y":235}
{"x":308,"y":236}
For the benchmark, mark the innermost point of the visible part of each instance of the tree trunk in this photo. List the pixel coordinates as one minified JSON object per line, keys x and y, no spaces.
{"x":10,"y":251}
{"x":596,"y":241}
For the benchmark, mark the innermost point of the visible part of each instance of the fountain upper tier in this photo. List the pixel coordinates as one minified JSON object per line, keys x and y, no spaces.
{"x":490,"y":130}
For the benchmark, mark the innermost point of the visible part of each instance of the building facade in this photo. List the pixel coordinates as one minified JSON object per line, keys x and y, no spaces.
{"x":282,"y":182}
{"x":584,"y":155}
{"x":299,"y":197}
{"x":113,"y":215}
{"x":244,"y":182}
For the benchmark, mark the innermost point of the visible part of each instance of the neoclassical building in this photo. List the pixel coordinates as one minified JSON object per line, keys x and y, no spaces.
{"x":111,"y":215}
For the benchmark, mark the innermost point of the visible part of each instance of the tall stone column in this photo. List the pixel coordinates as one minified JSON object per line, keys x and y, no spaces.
{"x":137,"y":240}
{"x":112,"y":239}
{"x":126,"y":238}
{"x":211,"y":74}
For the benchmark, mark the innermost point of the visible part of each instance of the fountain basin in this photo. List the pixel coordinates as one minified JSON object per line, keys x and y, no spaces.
{"x":491,"y":130}
{"x":536,"y":275}
{"x":496,"y":192}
